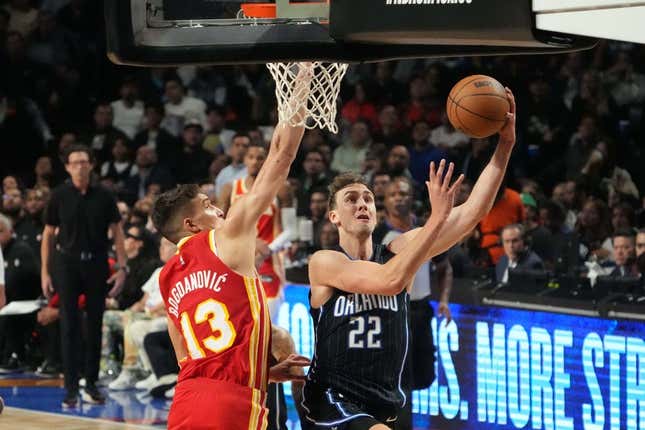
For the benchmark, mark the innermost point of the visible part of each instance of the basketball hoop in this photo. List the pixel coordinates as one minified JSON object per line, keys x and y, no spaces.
{"x":320,"y":104}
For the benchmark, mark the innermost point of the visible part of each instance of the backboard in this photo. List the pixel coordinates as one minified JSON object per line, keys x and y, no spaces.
{"x":173,"y":32}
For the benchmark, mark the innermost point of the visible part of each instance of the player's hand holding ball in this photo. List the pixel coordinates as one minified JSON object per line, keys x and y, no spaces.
{"x":480,"y":106}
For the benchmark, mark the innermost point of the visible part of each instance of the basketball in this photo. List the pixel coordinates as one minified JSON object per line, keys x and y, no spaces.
{"x":477,"y":106}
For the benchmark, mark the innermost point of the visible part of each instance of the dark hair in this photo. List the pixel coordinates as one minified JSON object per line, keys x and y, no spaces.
{"x":315,"y":151}
{"x":258,"y":145}
{"x":397,"y":179}
{"x":421,"y":120}
{"x":556,"y":211}
{"x":169,"y":207}
{"x":321,"y":190}
{"x":103,"y":103}
{"x":78,"y":148}
{"x":398,"y":145}
{"x":362,"y":120}
{"x":381,"y":173}
{"x":628,"y":233}
{"x":156,"y":105}
{"x":341,"y":181}
{"x":123,"y":139}
{"x":627,"y":209}
{"x":19,"y":182}
{"x":221,"y":111}
{"x":65,"y":131}
{"x":147,"y":239}
{"x":236,"y":135}
{"x":173,"y":77}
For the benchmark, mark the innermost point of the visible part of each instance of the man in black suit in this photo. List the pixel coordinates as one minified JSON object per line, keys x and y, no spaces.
{"x":516,"y":254}
{"x":624,"y":254}
{"x":154,"y":135}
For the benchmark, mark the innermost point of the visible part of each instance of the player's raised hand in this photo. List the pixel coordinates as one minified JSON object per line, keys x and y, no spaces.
{"x":300,"y":91}
{"x":288,"y":369}
{"x":507,"y":133}
{"x":441,"y":193}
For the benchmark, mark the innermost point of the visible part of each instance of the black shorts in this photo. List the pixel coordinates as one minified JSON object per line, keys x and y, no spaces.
{"x":327,"y":408}
{"x":419,"y":371}
{"x":277,"y":407}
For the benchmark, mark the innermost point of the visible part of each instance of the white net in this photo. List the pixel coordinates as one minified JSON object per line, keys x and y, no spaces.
{"x":313,"y":105}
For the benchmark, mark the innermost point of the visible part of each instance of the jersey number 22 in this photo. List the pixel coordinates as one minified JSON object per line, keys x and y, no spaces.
{"x":223,"y":333}
{"x":365,"y":332}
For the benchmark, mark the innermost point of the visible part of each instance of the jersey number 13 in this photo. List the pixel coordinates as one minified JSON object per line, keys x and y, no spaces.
{"x":223,"y":333}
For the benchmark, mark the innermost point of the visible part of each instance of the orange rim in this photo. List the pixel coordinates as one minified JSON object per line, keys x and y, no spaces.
{"x":259,"y":10}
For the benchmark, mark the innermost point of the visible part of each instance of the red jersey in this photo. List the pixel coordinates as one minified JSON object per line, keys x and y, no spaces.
{"x":223,"y":316}
{"x":268,"y":230}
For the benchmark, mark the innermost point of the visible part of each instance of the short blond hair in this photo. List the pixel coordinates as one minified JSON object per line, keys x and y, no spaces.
{"x":342,"y":181}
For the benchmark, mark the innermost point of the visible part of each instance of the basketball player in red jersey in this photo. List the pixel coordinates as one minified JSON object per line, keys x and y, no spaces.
{"x":218,"y":316}
{"x":269,"y":227}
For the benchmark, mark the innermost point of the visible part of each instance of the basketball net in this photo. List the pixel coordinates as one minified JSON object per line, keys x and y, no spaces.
{"x":317,"y":109}
{"x":299,"y":104}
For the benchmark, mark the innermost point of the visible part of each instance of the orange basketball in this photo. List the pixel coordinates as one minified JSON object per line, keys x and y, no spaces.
{"x":477,"y":105}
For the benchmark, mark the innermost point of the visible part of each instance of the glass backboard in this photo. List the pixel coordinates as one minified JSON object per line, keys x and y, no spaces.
{"x":171,"y":32}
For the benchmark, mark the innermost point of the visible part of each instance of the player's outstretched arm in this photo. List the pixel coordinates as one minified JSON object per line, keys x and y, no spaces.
{"x":290,"y":364}
{"x":333,"y":269}
{"x":243,"y":216}
{"x":464,"y":218}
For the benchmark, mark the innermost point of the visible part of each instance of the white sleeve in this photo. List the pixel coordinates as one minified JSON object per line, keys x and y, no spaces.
{"x":1,"y":268}
{"x":152,"y":283}
{"x":389,"y":237}
{"x":282,"y":241}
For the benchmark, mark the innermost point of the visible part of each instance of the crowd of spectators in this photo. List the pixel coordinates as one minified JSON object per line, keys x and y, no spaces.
{"x":572,"y":194}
